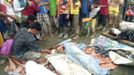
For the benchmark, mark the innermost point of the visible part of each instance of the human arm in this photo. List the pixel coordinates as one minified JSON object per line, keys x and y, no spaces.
{"x":44,"y":3}
{"x":98,"y":13}
{"x":33,"y":46}
{"x":7,"y":15}
{"x":16,"y":6}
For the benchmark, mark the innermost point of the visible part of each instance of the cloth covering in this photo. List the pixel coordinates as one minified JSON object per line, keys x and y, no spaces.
{"x":32,"y":68}
{"x":79,"y":57}
{"x":66,"y":67}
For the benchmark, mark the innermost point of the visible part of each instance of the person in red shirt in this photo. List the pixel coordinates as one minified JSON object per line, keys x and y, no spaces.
{"x":102,"y":21}
{"x":31,"y":8}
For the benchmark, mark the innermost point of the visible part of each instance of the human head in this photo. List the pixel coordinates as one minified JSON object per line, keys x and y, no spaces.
{"x":37,"y":1}
{"x":35,"y":28}
{"x":31,"y":18}
{"x":96,"y":3}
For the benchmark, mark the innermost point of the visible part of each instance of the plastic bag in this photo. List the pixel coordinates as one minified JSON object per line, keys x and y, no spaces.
{"x":126,"y":26}
{"x":6,"y":47}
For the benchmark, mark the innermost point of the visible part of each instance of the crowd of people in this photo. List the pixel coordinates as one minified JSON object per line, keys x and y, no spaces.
{"x":30,"y":20}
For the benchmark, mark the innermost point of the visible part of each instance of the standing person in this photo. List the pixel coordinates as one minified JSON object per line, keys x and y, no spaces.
{"x":95,"y":8}
{"x":102,"y":20}
{"x":53,"y":10}
{"x":31,"y":8}
{"x":75,"y":9}
{"x":84,"y":8}
{"x":3,"y":16}
{"x":44,"y":19}
{"x":10,"y":25}
{"x":63,"y":15}
{"x":114,"y":11}
{"x":125,"y":5}
{"x":84,"y":12}
{"x":129,"y":14}
{"x":18,"y":6}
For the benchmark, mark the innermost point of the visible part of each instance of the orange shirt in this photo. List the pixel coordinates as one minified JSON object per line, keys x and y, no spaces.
{"x":63,"y":8}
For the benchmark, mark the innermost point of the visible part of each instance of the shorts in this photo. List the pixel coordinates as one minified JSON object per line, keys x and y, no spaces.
{"x":63,"y":22}
{"x":113,"y":10}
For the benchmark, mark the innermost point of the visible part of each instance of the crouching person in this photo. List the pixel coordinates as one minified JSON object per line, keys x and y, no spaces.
{"x":25,"y":40}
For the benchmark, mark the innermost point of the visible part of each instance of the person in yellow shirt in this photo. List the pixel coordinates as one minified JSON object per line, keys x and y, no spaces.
{"x":75,"y":8}
{"x":114,"y":11}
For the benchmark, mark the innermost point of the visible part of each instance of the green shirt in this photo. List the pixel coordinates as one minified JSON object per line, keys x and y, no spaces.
{"x":53,"y":7}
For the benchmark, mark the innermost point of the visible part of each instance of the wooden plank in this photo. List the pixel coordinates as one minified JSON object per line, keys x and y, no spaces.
{"x":126,"y":42}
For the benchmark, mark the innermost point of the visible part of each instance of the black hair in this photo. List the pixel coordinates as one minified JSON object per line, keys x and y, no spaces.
{"x":96,"y":2}
{"x":31,"y":17}
{"x":74,"y":1}
{"x":36,"y":25}
{"x":64,"y":2}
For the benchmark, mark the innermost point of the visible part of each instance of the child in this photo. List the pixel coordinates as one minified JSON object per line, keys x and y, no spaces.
{"x":102,"y":19}
{"x":63,"y":15}
{"x":75,"y":9}
{"x":129,"y":14}
{"x":31,"y":8}
{"x":53,"y":15}
{"x":93,"y":14}
{"x":114,"y":11}
{"x":44,"y":19}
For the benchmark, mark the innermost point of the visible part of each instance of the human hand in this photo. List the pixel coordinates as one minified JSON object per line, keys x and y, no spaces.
{"x":45,"y":51}
{"x":12,"y":16}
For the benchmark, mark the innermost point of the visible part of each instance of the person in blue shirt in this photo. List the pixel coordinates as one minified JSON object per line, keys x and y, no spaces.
{"x":43,"y":18}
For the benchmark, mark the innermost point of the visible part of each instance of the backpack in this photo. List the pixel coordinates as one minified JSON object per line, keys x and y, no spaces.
{"x":6,"y":47}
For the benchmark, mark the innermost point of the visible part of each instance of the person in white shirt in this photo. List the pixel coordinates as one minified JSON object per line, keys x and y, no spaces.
{"x":93,"y":14}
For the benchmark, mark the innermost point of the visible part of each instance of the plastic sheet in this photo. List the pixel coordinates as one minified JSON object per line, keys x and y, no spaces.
{"x":88,"y":62}
{"x":66,"y":67}
{"x":105,"y":43}
{"x":119,"y":59}
{"x":126,"y":26}
{"x":81,"y":46}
